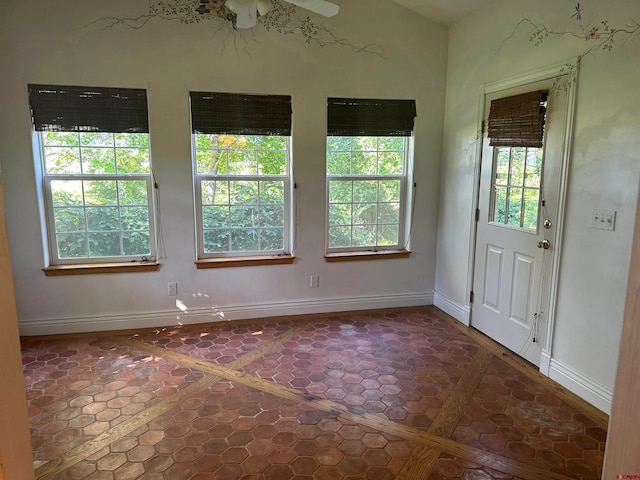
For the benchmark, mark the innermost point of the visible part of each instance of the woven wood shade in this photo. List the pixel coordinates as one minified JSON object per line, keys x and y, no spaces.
{"x":240,"y":114}
{"x":518,"y":121}
{"x":370,"y":117}
{"x":88,"y":109}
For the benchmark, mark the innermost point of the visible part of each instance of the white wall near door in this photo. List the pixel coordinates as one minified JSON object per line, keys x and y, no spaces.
{"x":604,"y":169}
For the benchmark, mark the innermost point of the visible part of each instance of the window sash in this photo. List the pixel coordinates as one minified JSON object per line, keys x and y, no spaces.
{"x":52,"y":233}
{"x":402,"y":200}
{"x":199,"y":178}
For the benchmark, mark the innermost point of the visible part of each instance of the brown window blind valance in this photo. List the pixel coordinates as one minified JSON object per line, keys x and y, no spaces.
{"x":240,"y":114}
{"x":518,"y":121}
{"x":88,"y":109}
{"x":370,"y":117}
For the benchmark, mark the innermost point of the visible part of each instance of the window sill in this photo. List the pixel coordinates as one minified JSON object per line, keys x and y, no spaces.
{"x":97,"y":268}
{"x":228,"y":262}
{"x":366,"y":255}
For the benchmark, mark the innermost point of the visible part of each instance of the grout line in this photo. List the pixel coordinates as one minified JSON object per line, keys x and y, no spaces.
{"x":423,"y":459}
{"x":359,"y":416}
{"x":75,"y":455}
{"x":526,"y":368}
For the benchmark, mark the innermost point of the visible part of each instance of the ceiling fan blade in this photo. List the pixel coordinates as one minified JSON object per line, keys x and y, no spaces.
{"x":320,"y":7}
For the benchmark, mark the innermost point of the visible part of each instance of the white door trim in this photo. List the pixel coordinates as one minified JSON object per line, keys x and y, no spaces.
{"x":570,"y":70}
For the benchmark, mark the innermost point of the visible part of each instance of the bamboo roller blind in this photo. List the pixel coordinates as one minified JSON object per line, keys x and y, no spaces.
{"x":518,"y":121}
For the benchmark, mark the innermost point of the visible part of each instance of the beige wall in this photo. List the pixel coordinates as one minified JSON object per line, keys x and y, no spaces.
{"x":604,"y":170}
{"x":49,"y":42}
{"x":15,"y":445}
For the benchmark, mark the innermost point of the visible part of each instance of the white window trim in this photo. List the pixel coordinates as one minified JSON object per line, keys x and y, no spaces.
{"x":406,"y":210}
{"x":46,"y":200}
{"x":198,"y":178}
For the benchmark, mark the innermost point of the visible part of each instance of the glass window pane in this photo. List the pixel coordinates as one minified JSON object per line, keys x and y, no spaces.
{"x":388,"y":235}
{"x":62,"y":160}
{"x":136,"y":243}
{"x":242,"y":162}
{"x":389,"y":213}
{"x":96,"y":139}
{"x":216,"y":241}
{"x":271,"y":142}
{"x":215,"y":217}
{"x":132,"y":160}
{"x":518,"y":156}
{"x":100,"y":219}
{"x":244,"y":216}
{"x":271,"y":216}
{"x":339,"y":237}
{"x":365,"y":214}
{"x":98,"y":161}
{"x":61,"y":139}
{"x":339,"y":143}
{"x":531,"y":203}
{"x":340,"y":214}
{"x":272,"y":163}
{"x":72,"y":245}
{"x":515,"y":207}
{"x":502,"y":165}
{"x":271,"y":239}
{"x":534,"y":167}
{"x":204,"y":140}
{"x":69,"y":219}
{"x":340,"y":191}
{"x":66,"y":193}
{"x":211,"y":162}
{"x":338,"y":163}
{"x":243,"y":192}
{"x":367,"y":144}
{"x":132,"y":192}
{"x":132,"y":140}
{"x":390,"y":163}
{"x":271,"y":192}
{"x":365,"y":190}
{"x":364,"y":235}
{"x":244,"y":240}
{"x":215,"y":192}
{"x":500,"y":204}
{"x":134,"y":218}
{"x":391,"y":143}
{"x":104,"y":244}
{"x":364,"y":163}
{"x":389,"y":191}
{"x":101,"y":192}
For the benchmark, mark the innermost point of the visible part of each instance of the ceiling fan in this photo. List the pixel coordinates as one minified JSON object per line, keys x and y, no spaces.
{"x":247,"y":11}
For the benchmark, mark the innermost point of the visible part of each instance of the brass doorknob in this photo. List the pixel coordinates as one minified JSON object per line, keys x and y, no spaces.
{"x":544,"y":244}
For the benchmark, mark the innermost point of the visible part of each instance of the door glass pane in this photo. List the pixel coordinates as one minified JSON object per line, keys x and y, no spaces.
{"x":513,"y":169}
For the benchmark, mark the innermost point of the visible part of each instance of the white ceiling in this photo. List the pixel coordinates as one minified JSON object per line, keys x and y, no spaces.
{"x":446,"y":12}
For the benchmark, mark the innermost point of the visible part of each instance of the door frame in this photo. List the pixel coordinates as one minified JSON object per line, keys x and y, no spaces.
{"x":566,"y":75}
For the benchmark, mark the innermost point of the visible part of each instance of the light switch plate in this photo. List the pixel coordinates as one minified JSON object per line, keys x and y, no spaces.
{"x":603,"y":219}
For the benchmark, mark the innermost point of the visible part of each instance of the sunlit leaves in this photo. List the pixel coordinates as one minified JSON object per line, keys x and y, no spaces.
{"x":365,"y":155}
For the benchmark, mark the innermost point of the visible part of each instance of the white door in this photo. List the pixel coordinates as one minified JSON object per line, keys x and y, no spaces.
{"x":519,"y":191}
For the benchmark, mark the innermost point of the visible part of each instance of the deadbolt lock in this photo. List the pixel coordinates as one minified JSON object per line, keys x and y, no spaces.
{"x":545,"y":244}
{"x":547,"y":224}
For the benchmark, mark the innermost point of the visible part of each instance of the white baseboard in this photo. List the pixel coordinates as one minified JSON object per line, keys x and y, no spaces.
{"x":594,"y":393}
{"x":95,"y":323}
{"x":462,"y":313}
{"x":545,"y":363}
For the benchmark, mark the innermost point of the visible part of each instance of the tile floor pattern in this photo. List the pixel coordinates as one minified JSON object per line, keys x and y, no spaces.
{"x":402,"y":393}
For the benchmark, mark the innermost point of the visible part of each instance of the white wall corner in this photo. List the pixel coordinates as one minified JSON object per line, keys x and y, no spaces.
{"x":462,"y":313}
{"x":217,"y":313}
{"x":597,"y":395}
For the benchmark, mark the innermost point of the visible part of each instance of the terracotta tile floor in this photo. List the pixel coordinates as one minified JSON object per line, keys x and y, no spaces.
{"x":402,"y":393}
